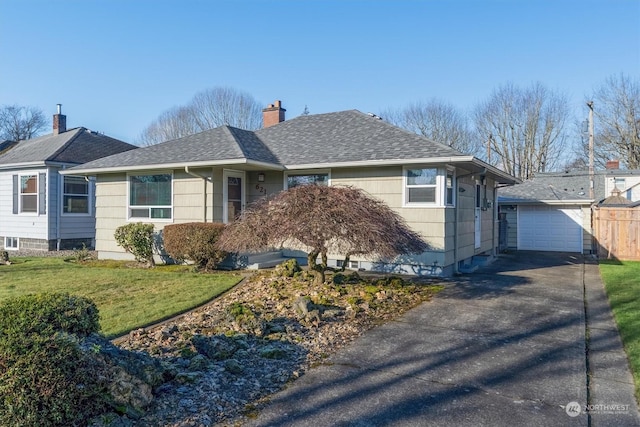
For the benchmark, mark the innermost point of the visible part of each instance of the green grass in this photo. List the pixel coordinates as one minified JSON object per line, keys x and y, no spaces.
{"x":128,"y":298}
{"x":622,"y":282}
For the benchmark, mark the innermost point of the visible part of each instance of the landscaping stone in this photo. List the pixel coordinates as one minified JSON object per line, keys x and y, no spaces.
{"x":222,"y":360}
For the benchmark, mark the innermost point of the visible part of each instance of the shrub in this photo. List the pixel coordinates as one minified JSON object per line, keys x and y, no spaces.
{"x":196,"y":242}
{"x":45,"y":380}
{"x":48,"y":313}
{"x":137,"y":239}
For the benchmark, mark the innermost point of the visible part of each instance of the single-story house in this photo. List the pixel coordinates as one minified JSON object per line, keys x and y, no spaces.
{"x":445,"y":195}
{"x":552,"y":212}
{"x":41,"y":209}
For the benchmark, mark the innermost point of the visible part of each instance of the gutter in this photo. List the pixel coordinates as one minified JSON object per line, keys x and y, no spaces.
{"x":204,"y":191}
{"x":161,"y":166}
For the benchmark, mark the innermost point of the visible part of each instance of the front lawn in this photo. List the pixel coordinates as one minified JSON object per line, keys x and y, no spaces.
{"x":622,"y":282}
{"x":128,"y":298}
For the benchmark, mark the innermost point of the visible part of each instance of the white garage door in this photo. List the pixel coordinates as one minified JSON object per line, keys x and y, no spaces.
{"x":550,"y":228}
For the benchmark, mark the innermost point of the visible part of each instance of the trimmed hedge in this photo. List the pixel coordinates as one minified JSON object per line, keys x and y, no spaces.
{"x":137,"y":239}
{"x":195,"y":242}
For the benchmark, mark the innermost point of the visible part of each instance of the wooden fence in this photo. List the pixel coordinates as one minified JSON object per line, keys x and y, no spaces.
{"x":617,"y":232}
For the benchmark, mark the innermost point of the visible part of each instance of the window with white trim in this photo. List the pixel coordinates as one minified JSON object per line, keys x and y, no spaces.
{"x":450,"y":188}
{"x":429,"y":186}
{"x":421,"y":185}
{"x":295,"y":180}
{"x":11,"y":243}
{"x":75,"y":195}
{"x":29,"y":193}
{"x":150,"y":196}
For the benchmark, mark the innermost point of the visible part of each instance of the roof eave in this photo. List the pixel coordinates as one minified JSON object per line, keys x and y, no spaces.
{"x":544,"y":202}
{"x":178,"y":165}
{"x":503,"y":177}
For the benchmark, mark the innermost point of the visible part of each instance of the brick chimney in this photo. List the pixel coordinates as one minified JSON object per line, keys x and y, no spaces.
{"x":59,"y":121}
{"x":613,"y":164}
{"x":273,"y":114}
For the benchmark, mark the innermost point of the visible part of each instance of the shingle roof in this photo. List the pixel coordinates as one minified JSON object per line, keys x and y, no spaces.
{"x":315,"y":139}
{"x":348,"y":136}
{"x":75,"y":146}
{"x":221,"y":143}
{"x":534,"y":191}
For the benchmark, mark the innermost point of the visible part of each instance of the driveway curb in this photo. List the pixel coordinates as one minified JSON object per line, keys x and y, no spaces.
{"x":611,"y":386}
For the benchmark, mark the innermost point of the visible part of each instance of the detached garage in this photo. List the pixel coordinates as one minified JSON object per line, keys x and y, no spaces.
{"x":550,"y":228}
{"x":539,"y":217}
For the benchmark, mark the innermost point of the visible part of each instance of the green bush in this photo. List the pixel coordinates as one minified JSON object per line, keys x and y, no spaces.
{"x":48,"y":313}
{"x":45,"y":380}
{"x":137,"y":239}
{"x":195,"y":242}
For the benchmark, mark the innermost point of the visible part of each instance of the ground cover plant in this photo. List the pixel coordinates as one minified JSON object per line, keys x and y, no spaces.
{"x":127,"y":297}
{"x":622,"y":282}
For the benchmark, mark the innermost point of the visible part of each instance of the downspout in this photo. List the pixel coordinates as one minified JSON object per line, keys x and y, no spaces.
{"x":204,"y":192}
{"x":58,"y":210}
{"x":455,"y":233}
{"x":494,"y":252}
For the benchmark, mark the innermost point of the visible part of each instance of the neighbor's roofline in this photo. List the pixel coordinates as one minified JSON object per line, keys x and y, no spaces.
{"x":37,"y":164}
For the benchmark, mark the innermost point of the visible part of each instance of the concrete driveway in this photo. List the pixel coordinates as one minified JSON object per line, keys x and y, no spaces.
{"x":504,"y":346}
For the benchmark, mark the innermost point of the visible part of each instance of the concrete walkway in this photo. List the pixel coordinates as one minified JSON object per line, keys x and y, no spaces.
{"x":504,"y":346}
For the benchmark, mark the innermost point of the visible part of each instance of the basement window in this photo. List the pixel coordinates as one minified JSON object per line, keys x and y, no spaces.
{"x":11,"y":243}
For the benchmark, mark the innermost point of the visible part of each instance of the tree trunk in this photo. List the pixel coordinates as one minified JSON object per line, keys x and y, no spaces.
{"x":317,"y":270}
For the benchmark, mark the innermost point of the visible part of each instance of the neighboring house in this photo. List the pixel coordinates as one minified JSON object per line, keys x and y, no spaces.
{"x":39,"y":208}
{"x":446,"y":196}
{"x":552,"y":212}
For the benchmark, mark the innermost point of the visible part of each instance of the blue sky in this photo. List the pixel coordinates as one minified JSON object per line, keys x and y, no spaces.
{"x":116,"y":65}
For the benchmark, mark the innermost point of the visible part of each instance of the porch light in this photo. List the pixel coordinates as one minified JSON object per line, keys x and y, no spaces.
{"x":261,"y":177}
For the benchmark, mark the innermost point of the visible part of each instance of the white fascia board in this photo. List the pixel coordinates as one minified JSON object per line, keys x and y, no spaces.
{"x":382,"y":162}
{"x":160,"y":166}
{"x":582,"y":202}
{"x":417,"y":161}
{"x":23,"y":165}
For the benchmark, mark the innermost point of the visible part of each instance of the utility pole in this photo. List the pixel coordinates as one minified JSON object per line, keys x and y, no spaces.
{"x":489,"y":148}
{"x":591,"y":173}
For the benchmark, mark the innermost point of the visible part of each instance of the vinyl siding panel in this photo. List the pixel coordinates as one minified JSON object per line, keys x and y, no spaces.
{"x":386,"y":184}
{"x":111,"y":210}
{"x":22,"y":225}
{"x":192,"y":197}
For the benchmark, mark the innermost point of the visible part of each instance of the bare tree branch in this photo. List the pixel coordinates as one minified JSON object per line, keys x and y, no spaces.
{"x":207,"y":109}
{"x":19,"y":123}
{"x":616,"y":109}
{"x":438,"y":121}
{"x":526,"y":128}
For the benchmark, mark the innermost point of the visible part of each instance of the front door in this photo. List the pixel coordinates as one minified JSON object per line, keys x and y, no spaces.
{"x":233,"y":195}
